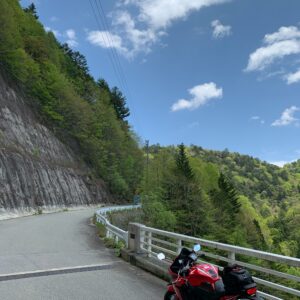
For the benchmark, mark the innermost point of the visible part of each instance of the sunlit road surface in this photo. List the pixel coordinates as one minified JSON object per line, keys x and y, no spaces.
{"x":66,"y":241}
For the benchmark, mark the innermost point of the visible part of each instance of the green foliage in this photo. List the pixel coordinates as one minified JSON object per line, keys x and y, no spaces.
{"x":117,"y":246}
{"x":182,"y":164}
{"x":227,"y":208}
{"x":31,"y":10}
{"x":224,"y":196}
{"x":119,"y":103}
{"x":80,"y":111}
{"x":122,"y":218}
{"x":156,"y":213}
{"x":101,"y":229}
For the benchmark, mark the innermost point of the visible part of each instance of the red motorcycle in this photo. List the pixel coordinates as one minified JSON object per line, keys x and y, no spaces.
{"x":203,"y":281}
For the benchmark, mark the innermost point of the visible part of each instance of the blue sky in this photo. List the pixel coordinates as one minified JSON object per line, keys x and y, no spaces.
{"x":215,"y":73}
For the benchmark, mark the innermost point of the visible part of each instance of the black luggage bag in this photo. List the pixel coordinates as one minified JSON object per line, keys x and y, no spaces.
{"x":237,"y":279}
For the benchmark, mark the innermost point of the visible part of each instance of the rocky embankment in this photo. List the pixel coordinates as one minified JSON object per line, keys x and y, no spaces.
{"x":36,"y":169}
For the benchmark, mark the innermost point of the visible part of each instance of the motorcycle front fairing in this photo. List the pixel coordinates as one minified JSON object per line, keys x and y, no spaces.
{"x":204,"y":283}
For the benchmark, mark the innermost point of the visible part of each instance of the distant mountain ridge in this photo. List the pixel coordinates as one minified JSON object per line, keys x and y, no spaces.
{"x":251,"y":176}
{"x":267,"y":216}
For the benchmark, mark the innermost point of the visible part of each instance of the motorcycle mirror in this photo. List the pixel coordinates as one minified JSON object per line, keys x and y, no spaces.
{"x":161,"y":256}
{"x":197,"y":248}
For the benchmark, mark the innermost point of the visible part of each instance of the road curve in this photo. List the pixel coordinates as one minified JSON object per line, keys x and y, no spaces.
{"x":66,"y":241}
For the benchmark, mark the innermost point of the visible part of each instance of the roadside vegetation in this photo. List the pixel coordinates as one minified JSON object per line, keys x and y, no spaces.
{"x":108,"y":242}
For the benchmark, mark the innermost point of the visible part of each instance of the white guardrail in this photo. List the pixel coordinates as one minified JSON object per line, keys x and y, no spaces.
{"x":111,"y":230}
{"x":150,"y":241}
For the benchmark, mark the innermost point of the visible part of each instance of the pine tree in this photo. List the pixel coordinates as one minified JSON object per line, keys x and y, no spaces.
{"x":262,"y":243}
{"x":32,"y":10}
{"x":118,"y":101}
{"x":230,"y":194}
{"x":103,"y":85}
{"x":226,"y":209}
{"x":182,"y":163}
{"x":186,"y":198}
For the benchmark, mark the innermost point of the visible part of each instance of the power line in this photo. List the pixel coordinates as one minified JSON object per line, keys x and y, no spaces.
{"x":106,"y":41}
{"x":115,"y":53}
{"x":114,"y":57}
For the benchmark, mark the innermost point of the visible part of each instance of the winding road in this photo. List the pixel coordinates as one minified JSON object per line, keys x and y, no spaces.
{"x":66,"y":241}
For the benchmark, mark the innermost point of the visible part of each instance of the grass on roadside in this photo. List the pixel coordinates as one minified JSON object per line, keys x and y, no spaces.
{"x":108,"y":242}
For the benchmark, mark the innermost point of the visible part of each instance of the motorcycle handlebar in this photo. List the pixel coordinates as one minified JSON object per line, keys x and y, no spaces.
{"x":189,"y":261}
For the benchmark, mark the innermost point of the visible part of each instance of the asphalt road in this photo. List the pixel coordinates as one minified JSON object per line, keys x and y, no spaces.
{"x":67,"y":240}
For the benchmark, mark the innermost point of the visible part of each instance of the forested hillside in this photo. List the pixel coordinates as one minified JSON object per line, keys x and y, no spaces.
{"x":223,"y":196}
{"x":86,"y":114}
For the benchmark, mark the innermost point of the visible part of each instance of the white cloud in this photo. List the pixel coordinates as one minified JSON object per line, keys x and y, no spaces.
{"x":161,"y":13}
{"x":70,"y":34}
{"x":137,"y":39}
{"x":267,"y":55}
{"x":140,"y":32}
{"x":106,"y":39}
{"x":283,"y":34}
{"x":292,"y":77}
{"x":220,"y":30}
{"x":276,"y":46}
{"x":201,"y":94}
{"x":287,"y":117}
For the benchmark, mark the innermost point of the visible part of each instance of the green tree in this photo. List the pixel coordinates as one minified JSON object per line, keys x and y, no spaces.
{"x":103,"y":85}
{"x":118,"y":101}
{"x":182,"y":163}
{"x":226,"y":208}
{"x":31,"y":9}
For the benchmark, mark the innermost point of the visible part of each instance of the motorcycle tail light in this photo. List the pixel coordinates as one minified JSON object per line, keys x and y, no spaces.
{"x":251,"y":291}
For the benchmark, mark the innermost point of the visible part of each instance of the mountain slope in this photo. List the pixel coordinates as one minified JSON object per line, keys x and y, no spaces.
{"x":52,"y":105}
{"x":235,"y":198}
{"x":36,"y":169}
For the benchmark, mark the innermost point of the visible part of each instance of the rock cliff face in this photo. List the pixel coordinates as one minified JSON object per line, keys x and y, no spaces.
{"x":36,"y":169}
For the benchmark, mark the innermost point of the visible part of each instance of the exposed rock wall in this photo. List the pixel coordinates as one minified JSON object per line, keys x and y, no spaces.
{"x":36,"y":169}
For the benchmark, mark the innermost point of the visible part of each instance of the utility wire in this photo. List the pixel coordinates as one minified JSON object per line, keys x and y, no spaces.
{"x":114,"y":57}
{"x":115,"y":53}
{"x":108,"y":36}
{"x":106,"y":42}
